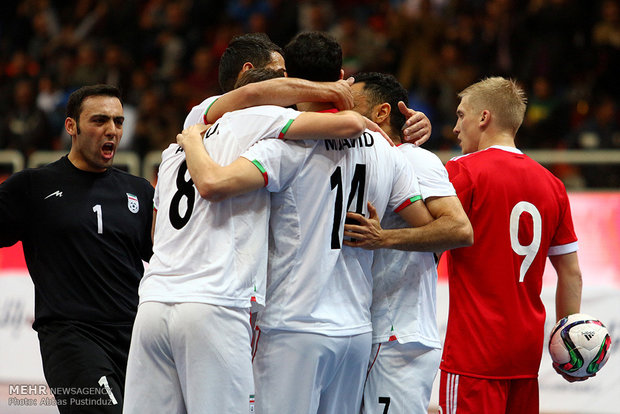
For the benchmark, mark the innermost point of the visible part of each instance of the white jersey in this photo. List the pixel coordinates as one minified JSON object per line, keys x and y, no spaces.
{"x":212,"y":252}
{"x":198,"y":112}
{"x":314,"y":284}
{"x":405,"y":283}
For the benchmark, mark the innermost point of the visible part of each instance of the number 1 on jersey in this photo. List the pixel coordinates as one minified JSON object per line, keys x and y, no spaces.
{"x":531,"y":249}
{"x":98,"y":212}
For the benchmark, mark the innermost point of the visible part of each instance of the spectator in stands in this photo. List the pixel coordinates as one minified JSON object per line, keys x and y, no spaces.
{"x":51,"y":100}
{"x":202,"y":80}
{"x":88,"y":67}
{"x":25,"y":127}
{"x":606,"y":39}
{"x":155,"y":125}
{"x":117,"y":68}
{"x":491,"y":37}
{"x":546,"y":118}
{"x":600,"y":130}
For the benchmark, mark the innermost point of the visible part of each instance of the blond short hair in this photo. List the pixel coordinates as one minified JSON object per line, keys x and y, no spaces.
{"x":504,"y":98}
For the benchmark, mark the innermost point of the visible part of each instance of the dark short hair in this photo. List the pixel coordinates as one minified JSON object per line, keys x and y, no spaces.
{"x":257,"y":75}
{"x":74,"y":104}
{"x":313,"y":56}
{"x":255,"y":48}
{"x":380,"y":88}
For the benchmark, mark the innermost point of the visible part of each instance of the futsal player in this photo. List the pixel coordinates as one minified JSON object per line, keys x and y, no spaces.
{"x":86,"y":228}
{"x":521,"y":215}
{"x":406,"y":345}
{"x":314,"y":340}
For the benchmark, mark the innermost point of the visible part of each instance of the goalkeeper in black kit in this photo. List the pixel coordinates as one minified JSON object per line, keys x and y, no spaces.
{"x":86,"y":229}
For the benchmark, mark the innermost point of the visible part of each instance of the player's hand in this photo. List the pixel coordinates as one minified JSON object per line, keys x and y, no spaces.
{"x":568,"y":377}
{"x":417,"y":128}
{"x":376,"y":128}
{"x":342,"y":95}
{"x":367,"y":233}
{"x":193,"y":132}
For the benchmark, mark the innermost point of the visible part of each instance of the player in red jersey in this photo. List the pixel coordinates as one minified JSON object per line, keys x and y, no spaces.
{"x":520,"y":214}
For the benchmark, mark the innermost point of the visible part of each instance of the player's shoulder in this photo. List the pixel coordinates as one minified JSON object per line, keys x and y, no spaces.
{"x":493,"y":152}
{"x":18,"y":180}
{"x":172,"y":150}
{"x":54,"y":167}
{"x":130,"y":178}
{"x":464,"y":158}
{"x":375,"y":139}
{"x":196,"y":114}
{"x":419,"y":154}
{"x":261,"y":110}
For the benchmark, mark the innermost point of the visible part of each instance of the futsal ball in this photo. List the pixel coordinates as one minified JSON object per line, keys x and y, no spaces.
{"x":579,"y":345}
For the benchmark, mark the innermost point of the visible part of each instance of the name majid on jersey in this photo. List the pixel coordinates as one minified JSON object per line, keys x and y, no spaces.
{"x":364,"y":140}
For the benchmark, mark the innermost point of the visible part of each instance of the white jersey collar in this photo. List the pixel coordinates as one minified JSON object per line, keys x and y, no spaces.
{"x":505,"y":148}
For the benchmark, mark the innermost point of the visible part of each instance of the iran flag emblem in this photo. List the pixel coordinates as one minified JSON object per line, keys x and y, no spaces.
{"x":132,"y":203}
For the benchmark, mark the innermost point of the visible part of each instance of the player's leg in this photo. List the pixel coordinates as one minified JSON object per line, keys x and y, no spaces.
{"x":211,"y":348}
{"x":78,"y":370}
{"x":343,"y":394}
{"x":400,"y":378}
{"x":117,"y":342}
{"x":523,"y":396}
{"x":152,"y":384}
{"x":459,"y":394}
{"x":288,"y":372}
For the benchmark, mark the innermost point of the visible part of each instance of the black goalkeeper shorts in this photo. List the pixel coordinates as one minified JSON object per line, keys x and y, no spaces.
{"x":85,"y":364}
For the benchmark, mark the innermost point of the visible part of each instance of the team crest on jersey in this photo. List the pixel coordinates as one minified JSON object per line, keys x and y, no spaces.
{"x":132,"y":203}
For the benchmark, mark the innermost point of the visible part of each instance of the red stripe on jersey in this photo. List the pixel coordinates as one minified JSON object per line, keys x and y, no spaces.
{"x":373,"y":360}
{"x":262,"y":170}
{"x":254,"y":342}
{"x":285,"y":129}
{"x":204,"y":116}
{"x":408,"y":203}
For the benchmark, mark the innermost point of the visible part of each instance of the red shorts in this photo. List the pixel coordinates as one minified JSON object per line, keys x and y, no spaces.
{"x":459,"y":394}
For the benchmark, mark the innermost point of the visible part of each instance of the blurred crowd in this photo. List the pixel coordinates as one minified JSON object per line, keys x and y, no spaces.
{"x":163,"y":54}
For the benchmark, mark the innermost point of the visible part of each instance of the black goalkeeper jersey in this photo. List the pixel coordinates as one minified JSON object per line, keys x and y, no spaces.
{"x":84,"y":236}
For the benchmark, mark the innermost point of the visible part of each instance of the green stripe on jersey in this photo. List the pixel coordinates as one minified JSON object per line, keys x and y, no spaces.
{"x":285,"y":129}
{"x":204,"y":116}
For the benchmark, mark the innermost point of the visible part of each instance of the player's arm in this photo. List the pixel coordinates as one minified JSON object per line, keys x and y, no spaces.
{"x":314,"y":125}
{"x":288,"y":91}
{"x":214,"y":182}
{"x":281,"y":92}
{"x":567,"y":294}
{"x":447,"y":228}
{"x":367,"y":232}
{"x":12,"y":212}
{"x":568,"y":291}
{"x":339,"y":125}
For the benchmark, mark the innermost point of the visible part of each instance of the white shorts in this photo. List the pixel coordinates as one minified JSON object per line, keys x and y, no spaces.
{"x":306,"y":373}
{"x":400,"y":378}
{"x":190,"y":358}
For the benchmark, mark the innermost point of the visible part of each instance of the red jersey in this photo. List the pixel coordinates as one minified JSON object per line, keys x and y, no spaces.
{"x":520,"y":214}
